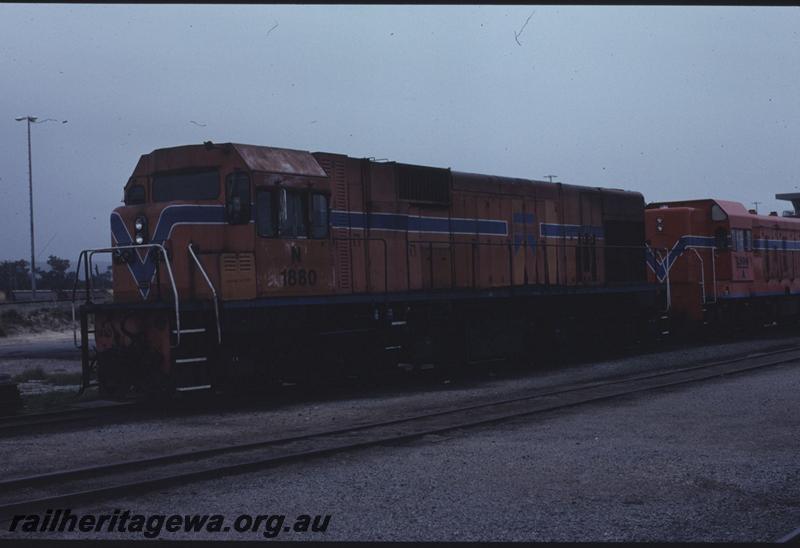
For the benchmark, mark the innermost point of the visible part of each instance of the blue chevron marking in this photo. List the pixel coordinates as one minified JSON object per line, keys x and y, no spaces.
{"x":143,"y":268}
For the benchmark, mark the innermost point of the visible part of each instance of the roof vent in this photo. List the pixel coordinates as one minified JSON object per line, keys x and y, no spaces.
{"x":752,"y":211}
{"x":773,"y":213}
{"x":787,"y":213}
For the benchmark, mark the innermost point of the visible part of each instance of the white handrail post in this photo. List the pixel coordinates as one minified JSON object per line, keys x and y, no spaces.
{"x":714,"y":270}
{"x":665,"y":263}
{"x":702,"y":273}
{"x":213,"y":291}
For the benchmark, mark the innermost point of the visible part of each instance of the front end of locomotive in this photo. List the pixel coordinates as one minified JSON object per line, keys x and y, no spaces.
{"x":140,"y":340}
{"x":182,"y":241}
{"x":201,"y":226}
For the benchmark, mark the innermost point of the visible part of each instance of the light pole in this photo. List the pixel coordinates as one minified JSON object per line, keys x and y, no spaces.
{"x":33,"y":120}
{"x":551,"y":177}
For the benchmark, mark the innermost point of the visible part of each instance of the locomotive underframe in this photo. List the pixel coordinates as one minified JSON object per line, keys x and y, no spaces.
{"x":268,"y":340}
{"x":752,"y":312}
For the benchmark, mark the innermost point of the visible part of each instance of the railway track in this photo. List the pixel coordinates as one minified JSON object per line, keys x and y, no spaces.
{"x":38,"y":422}
{"x":94,"y":483}
{"x":110,"y":412}
{"x":789,"y":538}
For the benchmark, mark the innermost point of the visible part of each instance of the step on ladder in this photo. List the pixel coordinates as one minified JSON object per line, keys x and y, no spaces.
{"x":198,"y":342}
{"x":193,"y":358}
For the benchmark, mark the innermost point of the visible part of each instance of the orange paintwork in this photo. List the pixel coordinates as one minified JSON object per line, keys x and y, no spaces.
{"x":731,"y":273}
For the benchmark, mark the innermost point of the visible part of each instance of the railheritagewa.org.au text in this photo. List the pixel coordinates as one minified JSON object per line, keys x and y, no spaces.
{"x":157,"y":525}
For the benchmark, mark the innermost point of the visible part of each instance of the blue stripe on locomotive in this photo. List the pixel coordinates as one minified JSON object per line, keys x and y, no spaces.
{"x":414,"y":223}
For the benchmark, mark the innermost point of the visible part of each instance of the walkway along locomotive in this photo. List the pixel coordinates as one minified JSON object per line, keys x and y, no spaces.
{"x":238,"y":263}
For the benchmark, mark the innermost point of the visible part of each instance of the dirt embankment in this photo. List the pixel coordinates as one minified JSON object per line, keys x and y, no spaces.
{"x":21,"y":321}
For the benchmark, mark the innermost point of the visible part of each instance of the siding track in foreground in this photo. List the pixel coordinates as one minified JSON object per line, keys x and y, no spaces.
{"x":36,"y":423}
{"x":70,"y":487}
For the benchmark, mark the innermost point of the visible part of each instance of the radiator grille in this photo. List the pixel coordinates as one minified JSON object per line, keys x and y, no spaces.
{"x":335,"y":168}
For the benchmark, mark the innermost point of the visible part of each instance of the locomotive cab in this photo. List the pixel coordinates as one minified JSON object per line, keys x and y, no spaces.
{"x":250,"y":213}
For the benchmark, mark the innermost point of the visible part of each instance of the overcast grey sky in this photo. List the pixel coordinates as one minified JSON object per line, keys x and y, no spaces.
{"x":674,"y":102}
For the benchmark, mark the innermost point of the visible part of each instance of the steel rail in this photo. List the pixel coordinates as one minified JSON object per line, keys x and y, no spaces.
{"x":266,"y":453}
{"x":11,"y":424}
{"x":794,"y":536}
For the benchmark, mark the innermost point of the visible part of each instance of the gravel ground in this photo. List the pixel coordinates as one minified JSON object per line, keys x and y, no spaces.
{"x":37,"y":453}
{"x":22,"y":366}
{"x":33,"y":338}
{"x":715,"y":461}
{"x":17,"y":366}
{"x":19,"y":363}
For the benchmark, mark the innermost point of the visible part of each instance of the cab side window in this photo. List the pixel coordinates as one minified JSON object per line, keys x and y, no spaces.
{"x":293,"y":214}
{"x":266,"y":218}
{"x":237,"y":198}
{"x":287,"y":213}
{"x":319,"y":216}
{"x":721,"y":239}
{"x":742,"y":239}
{"x":738,"y":239}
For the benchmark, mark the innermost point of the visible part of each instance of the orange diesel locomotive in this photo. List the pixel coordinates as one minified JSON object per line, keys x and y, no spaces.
{"x":237,"y":263}
{"x":725,"y":265}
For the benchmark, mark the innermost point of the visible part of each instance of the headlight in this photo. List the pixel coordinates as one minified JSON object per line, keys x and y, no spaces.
{"x":140,"y":228}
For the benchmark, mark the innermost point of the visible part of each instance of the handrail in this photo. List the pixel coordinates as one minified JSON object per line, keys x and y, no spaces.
{"x":213,"y":291}
{"x":714,"y":270}
{"x":74,"y":288}
{"x":702,"y":273}
{"x":660,"y":261}
{"x":89,"y":253}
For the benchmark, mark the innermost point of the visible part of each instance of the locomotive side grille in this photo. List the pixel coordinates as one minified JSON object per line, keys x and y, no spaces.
{"x":237,"y":262}
{"x":229,"y":263}
{"x":246,"y":262}
{"x":335,"y":169}
{"x":423,"y":184}
{"x":343,"y":257}
{"x":238,"y":275}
